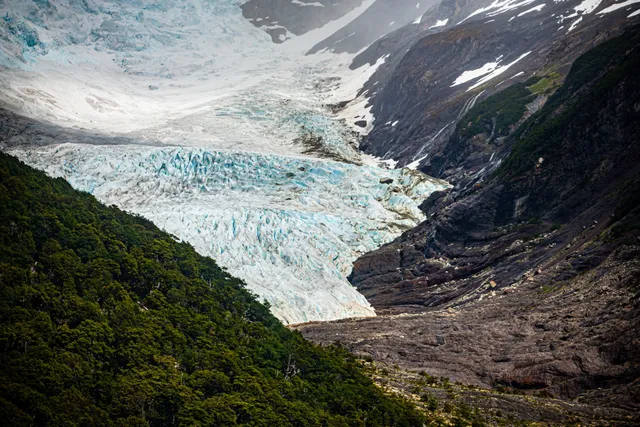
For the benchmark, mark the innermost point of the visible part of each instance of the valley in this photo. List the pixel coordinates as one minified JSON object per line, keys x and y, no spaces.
{"x":446,"y":189}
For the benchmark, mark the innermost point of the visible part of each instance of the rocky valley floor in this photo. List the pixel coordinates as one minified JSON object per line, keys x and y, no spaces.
{"x":516,"y":349}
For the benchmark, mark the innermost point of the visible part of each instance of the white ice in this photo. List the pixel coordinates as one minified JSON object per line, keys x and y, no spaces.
{"x":216,"y":111}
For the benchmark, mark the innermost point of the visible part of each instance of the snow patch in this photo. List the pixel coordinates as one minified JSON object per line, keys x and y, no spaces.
{"x":378,"y":162}
{"x":537,"y":8}
{"x":498,"y":71}
{"x":584,"y":8}
{"x":574,"y":24}
{"x":469,"y":75}
{"x":587,"y":6}
{"x":489,"y":70}
{"x":414,"y":165}
{"x":498,"y":7}
{"x":440,"y":23}
{"x":617,"y":6}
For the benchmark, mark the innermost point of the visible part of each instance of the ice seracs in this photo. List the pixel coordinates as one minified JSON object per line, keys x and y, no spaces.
{"x":290,"y":227}
{"x":231,"y":144}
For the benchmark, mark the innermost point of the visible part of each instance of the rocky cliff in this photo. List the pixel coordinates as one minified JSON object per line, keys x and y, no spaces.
{"x":565,"y":172}
{"x":460,"y":53}
{"x":526,"y":277}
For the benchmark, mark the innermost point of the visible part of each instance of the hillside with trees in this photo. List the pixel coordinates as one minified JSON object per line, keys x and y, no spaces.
{"x":107,"y":320}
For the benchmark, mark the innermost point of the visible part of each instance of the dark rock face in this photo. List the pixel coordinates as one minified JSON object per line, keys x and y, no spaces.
{"x":397,"y":43}
{"x":527,"y":273}
{"x":280,"y":17}
{"x":387,"y":16}
{"x":415,"y":86}
{"x":477,"y":143}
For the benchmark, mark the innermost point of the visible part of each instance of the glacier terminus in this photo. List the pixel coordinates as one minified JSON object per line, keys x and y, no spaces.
{"x":188,"y":114}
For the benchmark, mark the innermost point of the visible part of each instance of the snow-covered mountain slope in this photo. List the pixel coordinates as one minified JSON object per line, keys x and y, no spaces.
{"x":381,"y":18}
{"x":463,"y":51}
{"x":229,"y":142}
{"x":282,"y":19}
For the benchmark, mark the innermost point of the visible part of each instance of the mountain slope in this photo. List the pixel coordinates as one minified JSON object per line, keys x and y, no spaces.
{"x":465,"y":51}
{"x":388,"y":16}
{"x":571,"y":163}
{"x":530,"y":263}
{"x":282,"y":19}
{"x":106,"y":320}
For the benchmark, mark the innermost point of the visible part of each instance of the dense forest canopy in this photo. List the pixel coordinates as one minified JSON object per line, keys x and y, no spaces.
{"x":107,"y":320}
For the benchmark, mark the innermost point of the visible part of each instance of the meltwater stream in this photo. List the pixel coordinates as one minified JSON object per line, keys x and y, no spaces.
{"x":232,"y":145}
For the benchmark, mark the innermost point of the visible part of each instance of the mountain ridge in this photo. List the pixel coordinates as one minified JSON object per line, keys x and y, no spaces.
{"x":413,"y":95}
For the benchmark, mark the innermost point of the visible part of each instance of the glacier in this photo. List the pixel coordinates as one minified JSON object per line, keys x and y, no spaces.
{"x":234,"y":145}
{"x":290,"y":227}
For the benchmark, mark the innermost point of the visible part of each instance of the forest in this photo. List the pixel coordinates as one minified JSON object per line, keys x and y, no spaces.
{"x":107,"y":320}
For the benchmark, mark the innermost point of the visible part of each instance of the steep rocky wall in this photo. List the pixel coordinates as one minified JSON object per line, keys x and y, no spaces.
{"x":418,"y":95}
{"x":526,"y":276}
{"x":565,"y":171}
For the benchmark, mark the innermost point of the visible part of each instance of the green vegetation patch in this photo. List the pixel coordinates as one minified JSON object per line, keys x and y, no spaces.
{"x":546,"y":84}
{"x":107,"y":321}
{"x":499,"y":112}
{"x":541,"y":136}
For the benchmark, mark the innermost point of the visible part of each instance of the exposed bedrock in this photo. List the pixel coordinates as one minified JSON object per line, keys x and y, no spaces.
{"x":527,"y":274}
{"x":463,"y":52}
